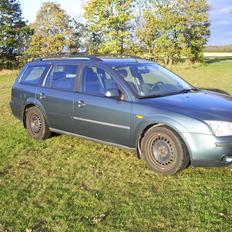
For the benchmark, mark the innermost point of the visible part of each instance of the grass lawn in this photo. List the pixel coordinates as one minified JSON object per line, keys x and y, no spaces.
{"x":70,"y":184}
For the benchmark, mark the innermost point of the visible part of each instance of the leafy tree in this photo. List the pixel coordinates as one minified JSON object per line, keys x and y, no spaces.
{"x":159,"y":34}
{"x":196,"y":28}
{"x":175,"y":28}
{"x":52,"y":31}
{"x":94,"y":41}
{"x":111,"y":20}
{"x":14,"y":33}
{"x":84,"y":40}
{"x":77,"y":39}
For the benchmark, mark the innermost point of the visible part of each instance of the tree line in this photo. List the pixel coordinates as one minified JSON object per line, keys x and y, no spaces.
{"x":222,"y":48}
{"x":163,"y":30}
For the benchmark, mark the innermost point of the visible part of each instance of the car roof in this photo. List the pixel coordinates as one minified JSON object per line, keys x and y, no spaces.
{"x":110,"y":60}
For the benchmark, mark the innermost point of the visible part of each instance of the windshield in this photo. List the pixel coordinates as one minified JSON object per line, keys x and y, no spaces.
{"x":151,"y":80}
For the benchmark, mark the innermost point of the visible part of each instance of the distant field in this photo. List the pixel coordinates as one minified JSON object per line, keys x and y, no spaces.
{"x":69,"y":184}
{"x":216,"y":75}
{"x":217,"y":54}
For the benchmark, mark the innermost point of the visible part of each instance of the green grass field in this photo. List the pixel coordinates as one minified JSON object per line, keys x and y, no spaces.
{"x":70,"y":184}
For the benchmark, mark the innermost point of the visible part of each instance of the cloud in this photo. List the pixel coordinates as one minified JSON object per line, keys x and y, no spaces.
{"x":225,"y":10}
{"x":224,"y":22}
{"x":220,"y":11}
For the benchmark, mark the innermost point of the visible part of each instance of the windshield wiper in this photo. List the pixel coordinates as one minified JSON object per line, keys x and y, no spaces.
{"x":169,"y":94}
{"x":185,"y":91}
{"x":152,"y":96}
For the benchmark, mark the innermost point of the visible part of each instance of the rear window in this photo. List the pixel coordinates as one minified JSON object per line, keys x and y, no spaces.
{"x":34,"y":74}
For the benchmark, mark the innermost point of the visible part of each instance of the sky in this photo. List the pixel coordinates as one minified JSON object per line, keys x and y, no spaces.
{"x":220,"y":17}
{"x":221,"y":22}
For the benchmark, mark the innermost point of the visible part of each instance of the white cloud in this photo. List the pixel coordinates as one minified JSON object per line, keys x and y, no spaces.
{"x":224,"y":22}
{"x":224,"y":10}
{"x":220,"y":11}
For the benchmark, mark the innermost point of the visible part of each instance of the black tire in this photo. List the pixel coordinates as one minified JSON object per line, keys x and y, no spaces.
{"x":36,"y":124}
{"x":164,"y":151}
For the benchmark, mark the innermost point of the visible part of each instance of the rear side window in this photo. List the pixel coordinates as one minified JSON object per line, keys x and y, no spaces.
{"x":34,"y":74}
{"x":63,"y":77}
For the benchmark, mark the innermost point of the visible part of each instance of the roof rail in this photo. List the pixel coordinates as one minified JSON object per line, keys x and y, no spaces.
{"x":85,"y":56}
{"x":68,"y":56}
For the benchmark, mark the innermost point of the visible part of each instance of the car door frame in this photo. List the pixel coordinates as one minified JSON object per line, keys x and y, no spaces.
{"x":117,"y":79}
{"x":43,"y":87}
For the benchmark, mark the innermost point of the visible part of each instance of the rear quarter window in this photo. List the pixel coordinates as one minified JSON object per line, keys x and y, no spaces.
{"x":34,"y":74}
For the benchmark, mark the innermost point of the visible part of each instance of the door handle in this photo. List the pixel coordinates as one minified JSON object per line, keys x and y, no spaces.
{"x":81,"y":104}
{"x":42,"y":95}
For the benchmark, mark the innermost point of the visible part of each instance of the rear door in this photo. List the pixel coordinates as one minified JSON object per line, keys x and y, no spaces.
{"x":101,"y":117}
{"x":57,"y":96}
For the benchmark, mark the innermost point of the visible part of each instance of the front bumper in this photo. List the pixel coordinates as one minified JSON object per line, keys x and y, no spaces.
{"x":209,"y":150}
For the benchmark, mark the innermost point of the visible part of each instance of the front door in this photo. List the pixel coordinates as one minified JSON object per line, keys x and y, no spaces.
{"x":101,"y":117}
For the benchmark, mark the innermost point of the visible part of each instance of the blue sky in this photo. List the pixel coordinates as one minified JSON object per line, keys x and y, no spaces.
{"x":220,"y":17}
{"x":221,"y":22}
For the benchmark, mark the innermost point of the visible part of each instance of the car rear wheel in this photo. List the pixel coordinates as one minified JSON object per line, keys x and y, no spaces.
{"x":36,"y":124}
{"x":164,"y":151}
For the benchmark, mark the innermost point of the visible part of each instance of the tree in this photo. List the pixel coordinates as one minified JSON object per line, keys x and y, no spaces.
{"x":14,"y":33}
{"x":111,"y":20}
{"x":52,"y":31}
{"x":77,"y":42}
{"x":84,"y":40}
{"x":196,"y":29}
{"x":93,"y":41}
{"x":175,"y":28}
{"x":160,"y":32}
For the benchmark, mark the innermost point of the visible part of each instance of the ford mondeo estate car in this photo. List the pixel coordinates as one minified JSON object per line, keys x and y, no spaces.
{"x":128,"y":102}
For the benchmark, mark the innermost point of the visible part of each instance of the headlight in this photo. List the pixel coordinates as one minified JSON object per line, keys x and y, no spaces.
{"x":221,"y":128}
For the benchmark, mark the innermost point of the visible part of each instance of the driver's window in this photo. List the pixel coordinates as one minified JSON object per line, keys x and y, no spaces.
{"x":96,"y":81}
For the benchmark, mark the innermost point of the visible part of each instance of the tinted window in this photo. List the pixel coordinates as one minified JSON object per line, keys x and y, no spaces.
{"x":34,"y":74}
{"x":62,"y":77}
{"x":96,"y":81}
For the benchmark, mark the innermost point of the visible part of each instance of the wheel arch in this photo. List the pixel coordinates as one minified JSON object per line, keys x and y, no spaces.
{"x":32,"y":103}
{"x":149,"y":125}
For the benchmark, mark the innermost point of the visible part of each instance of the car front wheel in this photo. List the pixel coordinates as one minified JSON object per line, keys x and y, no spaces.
{"x":36,"y":124}
{"x":164,"y":151}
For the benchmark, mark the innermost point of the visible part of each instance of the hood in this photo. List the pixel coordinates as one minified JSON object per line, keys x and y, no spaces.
{"x":203,"y":105}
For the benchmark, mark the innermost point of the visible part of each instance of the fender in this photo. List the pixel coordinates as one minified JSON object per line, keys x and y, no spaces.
{"x":175,"y":125}
{"x":35,"y":102}
{"x":159,"y":120}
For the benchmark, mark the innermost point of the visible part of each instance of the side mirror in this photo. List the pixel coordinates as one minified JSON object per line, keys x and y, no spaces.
{"x":112,"y":93}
